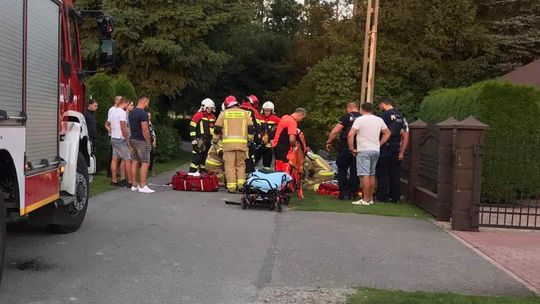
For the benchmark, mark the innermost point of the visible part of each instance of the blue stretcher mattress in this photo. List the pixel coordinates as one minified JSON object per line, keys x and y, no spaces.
{"x":258,"y":180}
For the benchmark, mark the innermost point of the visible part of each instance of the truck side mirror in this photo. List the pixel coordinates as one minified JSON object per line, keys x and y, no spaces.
{"x":105,"y":26}
{"x":107,"y":54}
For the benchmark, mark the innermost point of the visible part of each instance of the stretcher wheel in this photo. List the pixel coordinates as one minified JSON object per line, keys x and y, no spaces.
{"x":278,"y":206}
{"x":272,"y":207}
{"x":244,"y":204}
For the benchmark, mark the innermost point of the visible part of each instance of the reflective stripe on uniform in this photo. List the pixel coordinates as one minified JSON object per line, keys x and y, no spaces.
{"x":231,"y":186}
{"x":192,"y":133}
{"x":234,"y":114}
{"x":193,"y":124}
{"x":325,"y":173}
{"x":234,"y":140}
{"x":194,"y":166}
{"x":213,"y":162}
{"x":240,"y":181}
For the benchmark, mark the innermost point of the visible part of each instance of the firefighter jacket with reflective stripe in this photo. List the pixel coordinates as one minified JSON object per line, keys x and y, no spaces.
{"x":255,"y":118}
{"x":215,"y":155}
{"x":268,"y":129}
{"x":202,"y":126}
{"x":234,"y":123}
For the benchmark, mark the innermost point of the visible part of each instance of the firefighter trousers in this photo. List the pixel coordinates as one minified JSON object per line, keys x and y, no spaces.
{"x":266,"y":154}
{"x":198,"y":160}
{"x":235,"y":168}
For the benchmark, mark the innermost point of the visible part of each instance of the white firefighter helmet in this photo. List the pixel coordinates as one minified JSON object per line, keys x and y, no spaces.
{"x":208,"y":103}
{"x":268,"y":106}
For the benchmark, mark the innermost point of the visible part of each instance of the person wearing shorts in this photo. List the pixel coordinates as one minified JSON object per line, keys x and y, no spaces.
{"x":140,"y":144}
{"x":117,"y":123}
{"x":367,"y":129}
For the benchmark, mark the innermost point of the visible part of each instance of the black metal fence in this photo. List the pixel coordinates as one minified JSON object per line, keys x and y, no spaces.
{"x":511,"y":185}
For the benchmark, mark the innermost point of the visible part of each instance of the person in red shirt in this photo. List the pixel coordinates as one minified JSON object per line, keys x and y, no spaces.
{"x":251,"y":104}
{"x":268,"y":124}
{"x":285,"y":138}
{"x":201,"y":132}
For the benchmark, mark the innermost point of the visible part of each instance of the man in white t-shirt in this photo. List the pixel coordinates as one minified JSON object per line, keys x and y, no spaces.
{"x":367,"y":129}
{"x":117,"y":126}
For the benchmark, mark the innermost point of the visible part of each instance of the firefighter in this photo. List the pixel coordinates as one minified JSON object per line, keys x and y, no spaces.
{"x":391,"y":154}
{"x":317,"y":169}
{"x":201,"y":131}
{"x":234,"y":125}
{"x":348,"y":181}
{"x":251,"y":104}
{"x":214,"y":160}
{"x":268,"y":124}
{"x":285,"y":138}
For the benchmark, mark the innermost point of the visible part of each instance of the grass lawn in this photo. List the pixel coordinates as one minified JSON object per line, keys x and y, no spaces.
{"x":375,"y":296}
{"x":102,"y":183}
{"x":316,"y":202}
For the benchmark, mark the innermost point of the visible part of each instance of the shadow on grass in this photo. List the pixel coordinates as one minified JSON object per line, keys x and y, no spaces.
{"x":316,"y":202}
{"x":377,"y":296}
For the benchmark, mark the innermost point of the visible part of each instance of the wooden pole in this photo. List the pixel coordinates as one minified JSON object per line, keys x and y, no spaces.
{"x":370,"y":51}
{"x":366,"y":53}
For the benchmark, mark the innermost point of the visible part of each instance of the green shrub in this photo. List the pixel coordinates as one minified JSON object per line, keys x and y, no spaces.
{"x":323,"y":92}
{"x":511,"y":163}
{"x":124,"y":87}
{"x":167,"y":143}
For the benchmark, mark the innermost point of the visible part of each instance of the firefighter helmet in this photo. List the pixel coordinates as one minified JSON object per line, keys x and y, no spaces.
{"x":230,"y":101}
{"x":208,"y":103}
{"x":268,"y":106}
{"x":253,"y":100}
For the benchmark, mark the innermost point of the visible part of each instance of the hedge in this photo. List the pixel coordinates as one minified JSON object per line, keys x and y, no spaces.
{"x":167,"y":144}
{"x":511,"y":163}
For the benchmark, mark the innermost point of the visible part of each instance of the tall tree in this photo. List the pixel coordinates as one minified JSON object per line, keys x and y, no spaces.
{"x":514,"y":26}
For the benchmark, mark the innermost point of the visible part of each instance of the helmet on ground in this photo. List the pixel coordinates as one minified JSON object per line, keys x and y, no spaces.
{"x":230,"y":101}
{"x":268,"y":106}
{"x":253,"y":100}
{"x":208,"y":103}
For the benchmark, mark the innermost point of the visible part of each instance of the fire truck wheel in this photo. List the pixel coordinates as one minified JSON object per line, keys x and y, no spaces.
{"x":2,"y":234}
{"x":70,"y":217}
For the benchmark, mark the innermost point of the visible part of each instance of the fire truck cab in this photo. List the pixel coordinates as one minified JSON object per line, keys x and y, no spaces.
{"x":46,"y":158}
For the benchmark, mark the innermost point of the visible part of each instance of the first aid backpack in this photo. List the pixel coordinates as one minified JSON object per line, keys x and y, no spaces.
{"x":207,"y":182}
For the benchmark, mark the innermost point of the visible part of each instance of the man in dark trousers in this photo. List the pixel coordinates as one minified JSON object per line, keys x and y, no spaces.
{"x":346,"y":162}
{"x":90,"y":117}
{"x":391,"y":154}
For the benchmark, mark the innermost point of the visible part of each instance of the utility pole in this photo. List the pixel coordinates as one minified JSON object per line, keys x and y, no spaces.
{"x":370,"y":51}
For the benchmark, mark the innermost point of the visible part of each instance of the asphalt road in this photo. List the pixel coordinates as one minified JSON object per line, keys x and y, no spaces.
{"x":176,"y":247}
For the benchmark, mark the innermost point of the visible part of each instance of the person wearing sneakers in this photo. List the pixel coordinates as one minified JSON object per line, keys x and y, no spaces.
{"x":141,"y":145}
{"x":367,"y":129}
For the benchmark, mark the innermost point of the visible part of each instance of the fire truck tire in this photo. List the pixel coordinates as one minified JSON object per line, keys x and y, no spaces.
{"x":69,"y":218}
{"x":2,"y":234}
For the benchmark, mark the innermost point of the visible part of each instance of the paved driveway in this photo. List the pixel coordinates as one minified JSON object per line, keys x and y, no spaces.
{"x":174,"y":247}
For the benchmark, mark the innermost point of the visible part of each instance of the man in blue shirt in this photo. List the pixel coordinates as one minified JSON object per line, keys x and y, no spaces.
{"x":141,"y":145}
{"x":391,"y":153}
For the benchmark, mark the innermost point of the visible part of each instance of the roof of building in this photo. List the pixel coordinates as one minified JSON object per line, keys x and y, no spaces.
{"x":528,"y":74}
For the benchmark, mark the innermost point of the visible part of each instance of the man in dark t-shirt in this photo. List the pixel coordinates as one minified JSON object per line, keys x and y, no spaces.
{"x":141,"y":145}
{"x":348,"y":181}
{"x":90,"y":117}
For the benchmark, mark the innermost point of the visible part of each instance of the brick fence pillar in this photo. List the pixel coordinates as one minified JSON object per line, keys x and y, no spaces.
{"x":445,"y":172}
{"x":468,"y":151}
{"x":417,"y":131}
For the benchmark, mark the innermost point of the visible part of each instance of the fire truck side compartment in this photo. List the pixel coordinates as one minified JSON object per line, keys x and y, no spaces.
{"x":11,"y":57}
{"x":42,"y":86}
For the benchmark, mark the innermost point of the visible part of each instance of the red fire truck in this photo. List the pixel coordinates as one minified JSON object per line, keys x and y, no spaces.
{"x":46,"y":158}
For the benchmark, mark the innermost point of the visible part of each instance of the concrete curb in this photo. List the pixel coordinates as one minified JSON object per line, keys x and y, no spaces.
{"x":486,"y":257}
